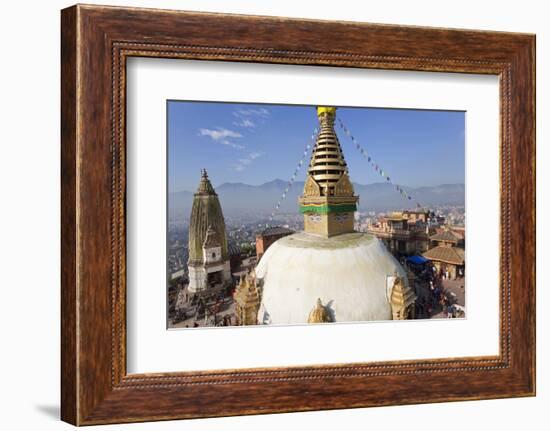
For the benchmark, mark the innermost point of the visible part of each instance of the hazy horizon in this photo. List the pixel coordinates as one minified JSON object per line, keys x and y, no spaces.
{"x":302,"y":181}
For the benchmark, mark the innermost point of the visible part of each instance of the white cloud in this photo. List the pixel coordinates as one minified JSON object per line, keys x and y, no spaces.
{"x":220,"y":136}
{"x":232,"y":144}
{"x":246,"y":161}
{"x":260,"y":112}
{"x":250,"y":118}
{"x":219,"y":133}
{"x":245,"y":122}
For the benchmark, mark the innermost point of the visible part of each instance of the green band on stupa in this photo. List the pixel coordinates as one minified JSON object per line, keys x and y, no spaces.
{"x":328,"y":208}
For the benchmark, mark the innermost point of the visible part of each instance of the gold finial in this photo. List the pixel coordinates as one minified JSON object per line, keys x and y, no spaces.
{"x":330,"y":110}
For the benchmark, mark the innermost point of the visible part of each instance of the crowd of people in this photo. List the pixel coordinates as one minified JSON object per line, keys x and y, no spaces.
{"x":432,"y":298}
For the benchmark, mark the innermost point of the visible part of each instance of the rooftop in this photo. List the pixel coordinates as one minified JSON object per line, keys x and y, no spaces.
{"x":446,"y":236}
{"x":452,"y":255}
{"x":234,"y":249}
{"x":276,"y":230}
{"x":395,"y":218}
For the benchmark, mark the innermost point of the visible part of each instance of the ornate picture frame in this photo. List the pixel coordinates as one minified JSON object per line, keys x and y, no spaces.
{"x":96,"y":41}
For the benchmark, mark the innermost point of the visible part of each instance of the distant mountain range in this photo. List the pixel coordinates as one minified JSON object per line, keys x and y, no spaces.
{"x":237,"y":198}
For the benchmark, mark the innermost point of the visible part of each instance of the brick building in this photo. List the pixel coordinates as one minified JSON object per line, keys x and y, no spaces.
{"x":268,"y":236}
{"x":406,"y":232}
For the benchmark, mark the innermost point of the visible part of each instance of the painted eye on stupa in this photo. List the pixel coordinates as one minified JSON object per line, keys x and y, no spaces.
{"x":340,"y":218}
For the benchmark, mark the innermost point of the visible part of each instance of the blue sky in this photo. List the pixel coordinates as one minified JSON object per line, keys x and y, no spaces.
{"x":255,"y":143}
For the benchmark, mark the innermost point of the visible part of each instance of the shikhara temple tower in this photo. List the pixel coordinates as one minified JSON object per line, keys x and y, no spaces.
{"x":328,"y":201}
{"x":329,"y":272}
{"x":208,"y":264}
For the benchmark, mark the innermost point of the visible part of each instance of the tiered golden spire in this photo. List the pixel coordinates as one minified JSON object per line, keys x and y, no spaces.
{"x":327,"y":163}
{"x":328,"y":201}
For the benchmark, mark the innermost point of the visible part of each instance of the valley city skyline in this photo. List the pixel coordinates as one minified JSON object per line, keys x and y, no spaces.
{"x":258,"y":143}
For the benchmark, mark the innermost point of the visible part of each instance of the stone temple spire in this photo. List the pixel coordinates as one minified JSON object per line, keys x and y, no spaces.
{"x":328,"y":201}
{"x":205,"y":187}
{"x":208,"y":262}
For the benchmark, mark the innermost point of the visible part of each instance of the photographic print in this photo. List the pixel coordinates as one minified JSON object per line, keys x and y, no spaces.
{"x":287,"y":215}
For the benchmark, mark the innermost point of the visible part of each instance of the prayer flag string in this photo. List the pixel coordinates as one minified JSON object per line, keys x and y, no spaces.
{"x":378,"y":169}
{"x":294,"y":175}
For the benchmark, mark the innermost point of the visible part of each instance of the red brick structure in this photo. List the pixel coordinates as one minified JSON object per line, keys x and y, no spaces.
{"x":268,"y":236}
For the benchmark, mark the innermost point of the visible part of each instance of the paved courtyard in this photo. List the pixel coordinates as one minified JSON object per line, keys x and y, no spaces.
{"x":214,"y":316}
{"x":455,"y":291}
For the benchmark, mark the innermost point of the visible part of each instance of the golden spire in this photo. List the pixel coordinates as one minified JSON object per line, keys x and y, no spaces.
{"x":328,"y":201}
{"x":327,"y":163}
{"x":319,"y":314}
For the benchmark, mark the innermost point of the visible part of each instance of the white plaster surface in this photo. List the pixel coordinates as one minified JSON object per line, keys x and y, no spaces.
{"x":347,"y":272}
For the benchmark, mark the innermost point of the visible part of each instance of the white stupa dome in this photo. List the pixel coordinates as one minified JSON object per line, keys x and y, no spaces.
{"x":329,"y":272}
{"x":349,"y":273}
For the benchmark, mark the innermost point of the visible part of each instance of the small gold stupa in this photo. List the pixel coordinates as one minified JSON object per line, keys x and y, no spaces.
{"x":247,"y":300}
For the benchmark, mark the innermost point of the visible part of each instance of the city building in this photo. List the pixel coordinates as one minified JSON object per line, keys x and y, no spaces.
{"x":405,"y":232}
{"x":452,"y":235}
{"x":208,"y":264}
{"x":235,"y":257}
{"x":268,"y":236}
{"x":329,"y":272}
{"x":446,"y":255}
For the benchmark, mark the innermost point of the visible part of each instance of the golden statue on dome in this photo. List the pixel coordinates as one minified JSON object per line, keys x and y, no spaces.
{"x":319,"y":314}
